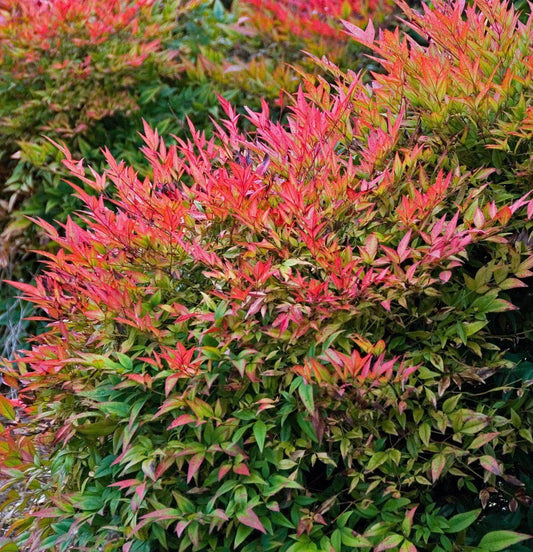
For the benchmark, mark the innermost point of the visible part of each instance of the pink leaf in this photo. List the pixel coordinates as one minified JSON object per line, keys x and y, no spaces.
{"x":220,"y":514}
{"x":364,"y":37}
{"x":403,"y":251}
{"x":273,"y":506}
{"x":159,"y":515}
{"x":125,"y":484}
{"x":47,"y":513}
{"x":140,"y":490}
{"x":437,"y":465}
{"x":530,"y":209}
{"x":483,"y":439}
{"x":181,"y":526}
{"x":479,"y":218}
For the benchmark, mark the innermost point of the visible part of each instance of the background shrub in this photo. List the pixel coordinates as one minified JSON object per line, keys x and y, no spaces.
{"x":315,"y":337}
{"x":277,"y":40}
{"x":314,"y":26}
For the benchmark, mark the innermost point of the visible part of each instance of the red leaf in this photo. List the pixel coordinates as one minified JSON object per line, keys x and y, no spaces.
{"x":182,"y":420}
{"x":194,"y":465}
{"x":223,"y":471}
{"x":249,"y":518}
{"x":125,"y":484}
{"x":241,"y":469}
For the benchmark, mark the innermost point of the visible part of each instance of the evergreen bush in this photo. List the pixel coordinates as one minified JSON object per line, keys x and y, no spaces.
{"x":314,"y":337}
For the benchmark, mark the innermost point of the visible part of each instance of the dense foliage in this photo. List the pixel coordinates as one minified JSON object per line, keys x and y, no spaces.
{"x":67,"y":69}
{"x":314,"y":337}
{"x":88,"y":72}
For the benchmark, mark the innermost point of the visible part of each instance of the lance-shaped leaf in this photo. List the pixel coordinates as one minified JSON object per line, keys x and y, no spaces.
{"x":250,"y":519}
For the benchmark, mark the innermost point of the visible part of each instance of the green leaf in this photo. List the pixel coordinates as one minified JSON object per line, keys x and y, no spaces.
{"x":97,"y":429}
{"x":425,"y":432}
{"x":306,"y":427}
{"x":501,"y":305}
{"x":125,"y":361}
{"x":390,"y":541}
{"x":461,"y":332}
{"x":242,"y":532}
{"x":336,"y":539}
{"x":350,"y":539}
{"x":9,"y":547}
{"x":499,"y":540}
{"x":280,"y":519}
{"x":450,"y":404}
{"x":475,"y":424}
{"x":218,"y":10}
{"x":260,"y":430}
{"x":342,"y":520}
{"x":460,"y":522}
{"x":220,"y":310}
{"x":304,"y":546}
{"x":306,"y":394}
{"x":376,"y":460}
{"x":279,"y":482}
{"x":6,"y":408}
{"x":89,"y":503}
{"x":211,"y":353}
{"x":200,"y":408}
{"x":525,"y":434}
{"x":115,"y":408}
{"x":474,"y":327}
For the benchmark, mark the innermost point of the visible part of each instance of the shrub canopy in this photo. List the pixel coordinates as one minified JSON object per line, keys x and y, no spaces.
{"x":298,"y":339}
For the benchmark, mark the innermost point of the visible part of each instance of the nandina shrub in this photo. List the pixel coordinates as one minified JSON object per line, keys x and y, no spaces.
{"x":291,"y":341}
